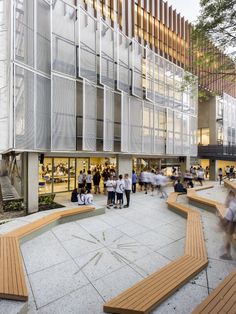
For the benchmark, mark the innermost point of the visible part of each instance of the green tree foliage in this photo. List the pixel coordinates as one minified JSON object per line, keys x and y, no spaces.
{"x":213,"y":37}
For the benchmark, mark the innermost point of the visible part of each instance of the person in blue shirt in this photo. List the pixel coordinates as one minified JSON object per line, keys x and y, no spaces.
{"x":134,"y":181}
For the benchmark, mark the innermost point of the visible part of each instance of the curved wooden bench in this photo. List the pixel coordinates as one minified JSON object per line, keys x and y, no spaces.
{"x":144,"y":296}
{"x":222,"y":299}
{"x":12,"y":278}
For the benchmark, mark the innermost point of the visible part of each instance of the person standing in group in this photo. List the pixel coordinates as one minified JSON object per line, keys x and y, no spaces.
{"x":80,"y":180}
{"x":152,"y":181}
{"x":220,"y":174}
{"x":141,"y":177}
{"x":127,"y":185}
{"x":134,"y":181}
{"x":96,"y":182}
{"x":110,"y":186}
{"x":200,"y":175}
{"x":89,"y":179}
{"x":119,"y":191}
{"x":145,"y":180}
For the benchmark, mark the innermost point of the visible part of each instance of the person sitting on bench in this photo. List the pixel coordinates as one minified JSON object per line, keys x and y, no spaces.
{"x":179,"y":187}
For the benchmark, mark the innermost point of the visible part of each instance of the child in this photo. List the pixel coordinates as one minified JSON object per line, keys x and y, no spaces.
{"x":81,"y":197}
{"x":120,"y":187}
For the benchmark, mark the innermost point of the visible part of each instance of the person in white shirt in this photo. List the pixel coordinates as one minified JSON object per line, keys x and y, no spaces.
{"x":119,"y":191}
{"x":228,"y":223}
{"x":163,"y":183}
{"x":80,"y":180}
{"x":146,"y":179}
{"x":88,"y":199}
{"x":110,"y":186}
{"x":128,"y":185}
{"x":81,"y":197}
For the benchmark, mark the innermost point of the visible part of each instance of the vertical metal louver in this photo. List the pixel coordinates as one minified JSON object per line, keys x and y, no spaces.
{"x":125,"y":114}
{"x":24,"y":109}
{"x":150,"y":61}
{"x":24,"y":31}
{"x":63,"y":114}
{"x":123,"y":62}
{"x":87,"y":46}
{"x":43,"y":113}
{"x":107,"y":55}
{"x":148,"y":113}
{"x":159,"y":130}
{"x":89,"y":116}
{"x":136,"y":124}
{"x":63,"y":33}
{"x":137,"y":77}
{"x":108,"y":127}
{"x":43,"y":37}
{"x":170,"y":132}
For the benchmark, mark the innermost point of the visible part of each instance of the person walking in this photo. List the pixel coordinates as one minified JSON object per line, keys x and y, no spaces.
{"x":80,"y":180}
{"x":127,"y":185}
{"x":228,"y":223}
{"x":134,"y":181}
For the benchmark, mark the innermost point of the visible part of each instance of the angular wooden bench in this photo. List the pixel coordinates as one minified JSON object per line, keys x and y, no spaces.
{"x":144,"y":296}
{"x":222,"y":299}
{"x":12,"y":278}
{"x":230,"y":184}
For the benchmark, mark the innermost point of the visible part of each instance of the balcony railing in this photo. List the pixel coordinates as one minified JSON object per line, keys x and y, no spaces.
{"x":222,"y":152}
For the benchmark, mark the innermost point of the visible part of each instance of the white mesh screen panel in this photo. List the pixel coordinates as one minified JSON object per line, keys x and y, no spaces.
{"x":148,"y":127}
{"x":178,"y":93}
{"x":125,"y":123}
{"x":63,"y":114}
{"x":43,"y":37}
{"x":193,"y":136}
{"x":89,"y":116}
{"x":170,"y":132}
{"x":63,"y":28}
{"x":87,"y":46}
{"x":24,"y":31}
{"x":43,"y":113}
{"x":108,"y":126}
{"x":178,"y":133}
{"x":160,"y":82}
{"x":169,"y":83}
{"x":136,"y":122}
{"x":150,"y":60}
{"x":159,"y":130}
{"x":123,"y":67}
{"x":137,"y":79}
{"x":24,"y":109}
{"x":107,"y":67}
{"x":186,"y":135}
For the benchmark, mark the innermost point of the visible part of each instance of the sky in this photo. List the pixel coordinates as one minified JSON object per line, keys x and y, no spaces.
{"x":187,"y":8}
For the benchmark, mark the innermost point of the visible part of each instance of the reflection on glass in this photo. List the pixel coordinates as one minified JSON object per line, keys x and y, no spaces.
{"x":60,"y":174}
{"x":45,"y":176}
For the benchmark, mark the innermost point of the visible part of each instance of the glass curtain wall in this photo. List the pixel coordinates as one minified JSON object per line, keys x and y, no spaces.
{"x":229,"y":118}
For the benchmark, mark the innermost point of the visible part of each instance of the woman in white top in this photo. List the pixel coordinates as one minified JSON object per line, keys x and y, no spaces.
{"x":81,"y":197}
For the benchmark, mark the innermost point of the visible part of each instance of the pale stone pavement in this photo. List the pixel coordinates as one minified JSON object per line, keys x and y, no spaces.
{"x":77,"y":266}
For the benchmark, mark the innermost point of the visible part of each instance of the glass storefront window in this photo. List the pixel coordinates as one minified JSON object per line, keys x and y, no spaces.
{"x":45,"y":176}
{"x":72,"y":178}
{"x":82,"y":164}
{"x":60,"y":174}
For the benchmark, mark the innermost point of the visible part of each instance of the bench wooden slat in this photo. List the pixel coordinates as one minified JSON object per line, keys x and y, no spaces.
{"x":12,"y":281}
{"x":220,"y":297}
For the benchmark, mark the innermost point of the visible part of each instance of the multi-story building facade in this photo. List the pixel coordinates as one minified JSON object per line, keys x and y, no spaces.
{"x":87,"y":84}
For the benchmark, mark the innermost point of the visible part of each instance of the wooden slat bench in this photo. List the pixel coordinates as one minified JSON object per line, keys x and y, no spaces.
{"x":230,"y":184}
{"x":144,"y":296}
{"x":222,"y":299}
{"x":12,"y":279}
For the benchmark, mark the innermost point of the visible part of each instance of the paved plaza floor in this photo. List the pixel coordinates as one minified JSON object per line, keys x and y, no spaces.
{"x":76,"y":267}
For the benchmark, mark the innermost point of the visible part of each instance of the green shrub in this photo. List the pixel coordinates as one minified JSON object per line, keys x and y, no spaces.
{"x":47,"y":199}
{"x":13,"y":205}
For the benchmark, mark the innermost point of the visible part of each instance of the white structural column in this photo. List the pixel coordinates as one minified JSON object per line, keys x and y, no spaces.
{"x":124,"y":164}
{"x":213,"y":170}
{"x":32,"y":183}
{"x":185,"y":164}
